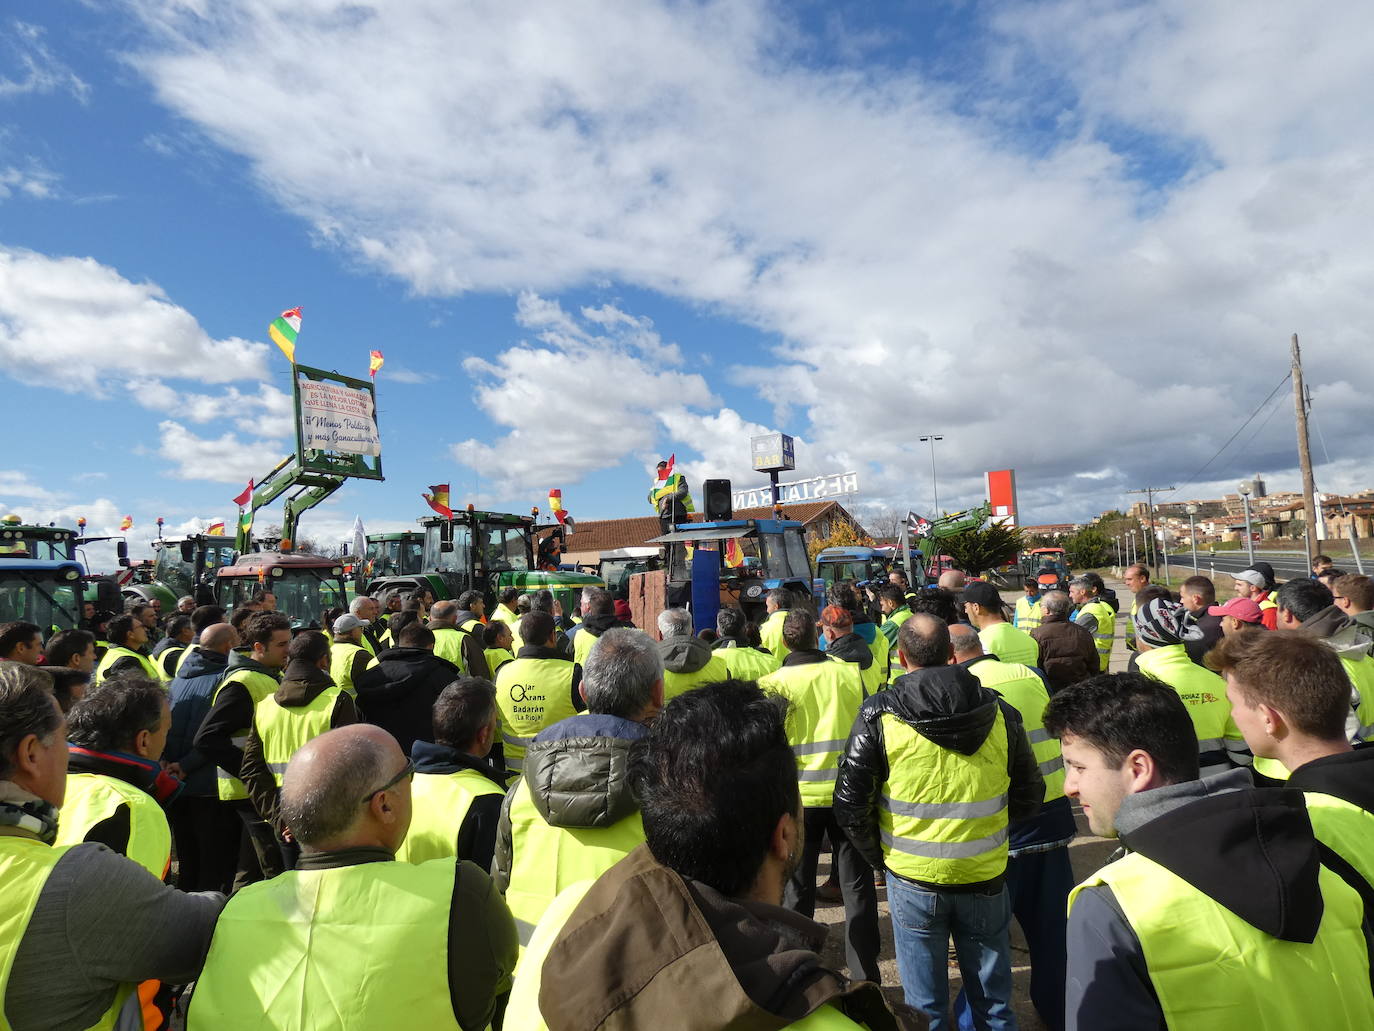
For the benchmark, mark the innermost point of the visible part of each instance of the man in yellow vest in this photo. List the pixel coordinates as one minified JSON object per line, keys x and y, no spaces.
{"x":456,"y":795}
{"x":470,"y":622}
{"x":129,"y":927}
{"x":936,"y":768}
{"x":497,"y":642}
{"x":984,"y":608}
{"x":1290,"y":697}
{"x":841,"y":642}
{"x":127,"y":637}
{"x":505,"y":606}
{"x":1218,"y":912}
{"x":688,"y":661}
{"x":1039,"y":876}
{"x":536,"y":690}
{"x":823,"y":697}
{"x":349,"y":660}
{"x":356,"y":940}
{"x":250,"y":676}
{"x":450,"y":643}
{"x":307,"y":704}
{"x":732,"y":647}
{"x":776,"y":603}
{"x":1161,"y":633}
{"x":168,"y":651}
{"x":892,"y":605}
{"x":694,"y":919}
{"x":1095,"y":615}
{"x":571,"y":816}
{"x":1027,"y":614}
{"x":598,"y":616}
{"x":1308,"y":606}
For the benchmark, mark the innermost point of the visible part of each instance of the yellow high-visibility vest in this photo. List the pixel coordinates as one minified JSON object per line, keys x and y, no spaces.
{"x":439,"y":804}
{"x":1203,"y":693}
{"x":1003,"y":641}
{"x":1025,"y":692}
{"x":93,"y":798}
{"x":259,"y":686}
{"x":341,"y":658}
{"x":117,"y":652}
{"x":532,"y":694}
{"x":823,"y":701}
{"x":284,"y":729}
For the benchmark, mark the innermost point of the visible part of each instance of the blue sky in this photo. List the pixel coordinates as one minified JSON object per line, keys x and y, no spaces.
{"x":1071,"y":236}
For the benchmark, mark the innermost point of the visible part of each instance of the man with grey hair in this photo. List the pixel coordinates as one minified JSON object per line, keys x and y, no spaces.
{"x":367,"y":610}
{"x":688,"y":661}
{"x":132,"y":927}
{"x":448,"y":641}
{"x":1068,"y":653}
{"x":572,"y":816}
{"x":348,"y":916}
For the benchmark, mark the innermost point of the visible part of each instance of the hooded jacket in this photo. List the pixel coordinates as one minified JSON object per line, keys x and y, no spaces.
{"x":1249,"y":850}
{"x":190,"y":693}
{"x":398,"y":693}
{"x":577,"y":775}
{"x":646,"y":947}
{"x":1348,"y":776}
{"x":1339,"y":631}
{"x":948,"y":706}
{"x":852,"y":648}
{"x":685,"y":664}
{"x":477,"y":833}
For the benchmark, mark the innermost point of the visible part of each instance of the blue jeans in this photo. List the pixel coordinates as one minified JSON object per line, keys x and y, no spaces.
{"x":922,"y":924}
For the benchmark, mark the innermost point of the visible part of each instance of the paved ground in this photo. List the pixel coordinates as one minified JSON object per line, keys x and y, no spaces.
{"x":1087,"y":853}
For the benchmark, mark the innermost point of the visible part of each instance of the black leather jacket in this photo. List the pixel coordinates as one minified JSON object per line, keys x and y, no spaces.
{"x":950,"y":707}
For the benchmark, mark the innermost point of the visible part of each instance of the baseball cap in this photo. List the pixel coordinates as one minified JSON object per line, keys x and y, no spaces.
{"x":1251,"y":576}
{"x":1243,"y":609}
{"x":348,"y":622}
{"x":983,"y":594}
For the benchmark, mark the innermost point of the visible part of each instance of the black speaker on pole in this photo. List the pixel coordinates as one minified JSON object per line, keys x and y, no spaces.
{"x":718,"y":499}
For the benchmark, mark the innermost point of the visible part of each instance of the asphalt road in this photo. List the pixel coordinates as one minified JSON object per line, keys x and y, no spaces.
{"x":1287,"y":565}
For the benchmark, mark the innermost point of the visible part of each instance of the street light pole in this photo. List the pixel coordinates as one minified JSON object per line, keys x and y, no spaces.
{"x":931,"y":438}
{"x":1192,"y":533}
{"x":1244,"y":489}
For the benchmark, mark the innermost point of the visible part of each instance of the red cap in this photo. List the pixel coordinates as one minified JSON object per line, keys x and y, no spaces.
{"x":1243,"y":609}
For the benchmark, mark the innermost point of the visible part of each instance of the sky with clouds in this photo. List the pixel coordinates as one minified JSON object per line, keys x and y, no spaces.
{"x":1072,"y":236}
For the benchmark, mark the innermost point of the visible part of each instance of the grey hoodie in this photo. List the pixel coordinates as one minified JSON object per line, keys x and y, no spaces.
{"x":684,"y":654}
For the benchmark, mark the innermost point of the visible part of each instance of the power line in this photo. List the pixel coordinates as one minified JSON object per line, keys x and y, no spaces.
{"x":1194,"y":478}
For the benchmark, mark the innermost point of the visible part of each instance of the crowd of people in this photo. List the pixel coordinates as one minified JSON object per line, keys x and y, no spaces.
{"x":435,"y":815}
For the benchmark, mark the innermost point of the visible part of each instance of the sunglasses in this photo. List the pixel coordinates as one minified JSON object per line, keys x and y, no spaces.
{"x":407,"y":773}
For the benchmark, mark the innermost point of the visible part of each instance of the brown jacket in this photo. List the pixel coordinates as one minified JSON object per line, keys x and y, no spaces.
{"x":1068,"y":653}
{"x":645,"y":943}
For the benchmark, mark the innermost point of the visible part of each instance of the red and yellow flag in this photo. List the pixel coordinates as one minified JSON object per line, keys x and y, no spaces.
{"x":215,"y":529}
{"x":374,"y":362}
{"x":126,"y":523}
{"x":556,"y":505}
{"x":734,"y":554}
{"x":438,"y":500}
{"x":245,"y":496}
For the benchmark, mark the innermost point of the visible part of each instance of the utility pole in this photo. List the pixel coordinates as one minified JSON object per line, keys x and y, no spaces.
{"x":1150,"y":492}
{"x":1310,"y":514}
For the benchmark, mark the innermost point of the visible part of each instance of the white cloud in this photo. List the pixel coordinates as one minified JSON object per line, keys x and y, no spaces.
{"x":78,"y":325}
{"x":1052,"y":304}
{"x":223,"y":459}
{"x":38,"y":69}
{"x":34,"y":182}
{"x":577,"y":400}
{"x":400,"y":374}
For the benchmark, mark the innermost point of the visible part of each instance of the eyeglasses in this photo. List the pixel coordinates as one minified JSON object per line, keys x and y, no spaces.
{"x":407,"y":773}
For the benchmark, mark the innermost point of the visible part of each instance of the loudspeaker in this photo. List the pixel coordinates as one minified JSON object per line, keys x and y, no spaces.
{"x":718,"y":501}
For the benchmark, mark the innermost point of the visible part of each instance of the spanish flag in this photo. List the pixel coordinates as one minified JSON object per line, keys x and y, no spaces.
{"x":734,"y":554}
{"x":374,"y":362}
{"x":283,"y":331}
{"x":126,"y":523}
{"x":438,"y":500}
{"x":556,"y":506}
{"x":215,"y":529}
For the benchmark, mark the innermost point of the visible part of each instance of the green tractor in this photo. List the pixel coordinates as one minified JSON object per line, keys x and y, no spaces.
{"x":390,"y":555}
{"x":184,"y":566}
{"x":485,"y":551}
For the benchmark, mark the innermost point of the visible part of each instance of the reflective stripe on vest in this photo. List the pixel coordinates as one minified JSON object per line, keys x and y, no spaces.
{"x":1204,"y":695}
{"x":341,"y":658}
{"x":545,"y":860}
{"x":439,"y":804}
{"x":1361,"y":674}
{"x":353,"y":948}
{"x":960,"y":839}
{"x":283,"y":729}
{"x":25,"y":865}
{"x":1105,"y":632}
{"x":448,"y":644}
{"x":117,"y":652}
{"x":532,"y":694}
{"x":1025,"y":692}
{"x":823,"y":700}
{"x":1345,"y":828}
{"x":1209,"y":968}
{"x":93,"y":798}
{"x":713,"y":672}
{"x":1029,"y":615}
{"x":523,"y":1009}
{"x":1003,"y":641}
{"x":259,"y":686}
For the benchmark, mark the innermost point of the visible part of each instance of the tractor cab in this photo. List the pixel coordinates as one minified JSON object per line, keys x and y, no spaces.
{"x":856,"y":565}
{"x":756,"y":556}
{"x":183,"y":566}
{"x":45,"y":592}
{"x":618,"y":565}
{"x":393,"y":554}
{"x":1049,"y":566}
{"x":305,"y":586}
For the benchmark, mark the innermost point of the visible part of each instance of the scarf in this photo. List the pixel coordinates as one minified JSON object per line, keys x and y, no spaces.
{"x":28,"y":812}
